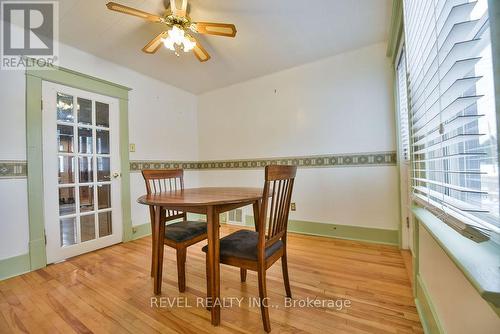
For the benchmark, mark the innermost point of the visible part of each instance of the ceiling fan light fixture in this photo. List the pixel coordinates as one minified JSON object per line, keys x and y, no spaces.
{"x":177,"y":28}
{"x":177,"y":40}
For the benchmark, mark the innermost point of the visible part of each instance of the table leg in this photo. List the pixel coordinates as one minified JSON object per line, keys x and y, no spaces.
{"x":256,"y":214}
{"x":153,"y":240}
{"x":213,"y":262}
{"x":158,"y":256}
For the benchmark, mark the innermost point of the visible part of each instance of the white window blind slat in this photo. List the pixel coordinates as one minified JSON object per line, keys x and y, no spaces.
{"x":451,"y":116}
{"x":450,"y":186}
{"x":457,"y":105}
{"x":460,"y":138}
{"x":451,"y":156}
{"x":447,"y":200}
{"x":436,"y":99}
{"x":450,"y":126}
{"x":453,"y":13}
{"x":450,"y":171}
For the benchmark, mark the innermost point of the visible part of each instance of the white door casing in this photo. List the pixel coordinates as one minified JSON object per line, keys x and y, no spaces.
{"x":404,"y":149}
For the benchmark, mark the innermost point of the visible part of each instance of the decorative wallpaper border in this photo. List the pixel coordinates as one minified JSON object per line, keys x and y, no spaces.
{"x":13,"y":169}
{"x":313,"y":161}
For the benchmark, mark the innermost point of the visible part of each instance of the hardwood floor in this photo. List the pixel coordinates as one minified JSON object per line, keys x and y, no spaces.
{"x":408,"y":260}
{"x":110,"y":290}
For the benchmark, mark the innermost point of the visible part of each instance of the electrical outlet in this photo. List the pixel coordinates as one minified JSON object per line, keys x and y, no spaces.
{"x":132,"y":147}
{"x":293,"y":207}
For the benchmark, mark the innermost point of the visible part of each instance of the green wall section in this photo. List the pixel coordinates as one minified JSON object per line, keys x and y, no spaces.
{"x":349,"y":232}
{"x":483,"y":274}
{"x":139,"y":231}
{"x":425,"y":308}
{"x":359,"y":233}
{"x":14,"y":266}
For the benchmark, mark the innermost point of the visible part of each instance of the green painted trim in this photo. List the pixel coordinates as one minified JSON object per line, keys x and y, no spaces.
{"x":37,"y":253}
{"x":311,"y":161}
{"x":396,"y":29}
{"x":359,"y":233}
{"x":416,"y":254}
{"x":14,"y":266}
{"x":125,"y":171}
{"x":81,"y":81}
{"x":426,"y":310}
{"x":140,"y":231}
{"x":197,"y":216}
{"x":34,"y":78}
{"x":483,"y":274}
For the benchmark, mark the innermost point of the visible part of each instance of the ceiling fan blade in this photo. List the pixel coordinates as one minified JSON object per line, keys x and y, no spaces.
{"x":132,"y":11}
{"x":199,"y":51}
{"x":155,"y":43}
{"x":219,"y":29}
{"x":178,"y":11}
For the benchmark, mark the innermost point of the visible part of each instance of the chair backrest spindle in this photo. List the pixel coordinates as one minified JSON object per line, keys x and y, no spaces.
{"x":276,"y":201}
{"x":165,"y":180}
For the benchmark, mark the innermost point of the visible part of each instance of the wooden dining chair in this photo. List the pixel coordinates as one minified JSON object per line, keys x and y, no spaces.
{"x":259,"y":250}
{"x":179,"y":235}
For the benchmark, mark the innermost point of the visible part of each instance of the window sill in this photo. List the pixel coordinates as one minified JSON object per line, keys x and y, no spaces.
{"x":484,"y":274}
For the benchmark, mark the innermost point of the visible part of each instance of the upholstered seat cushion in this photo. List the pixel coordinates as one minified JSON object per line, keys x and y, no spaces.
{"x":243,"y":244}
{"x":186,"y":230}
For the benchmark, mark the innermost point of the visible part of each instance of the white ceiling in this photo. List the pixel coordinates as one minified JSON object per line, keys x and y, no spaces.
{"x":272,"y":35}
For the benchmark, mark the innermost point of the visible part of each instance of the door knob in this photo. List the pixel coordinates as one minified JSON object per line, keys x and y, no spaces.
{"x":116,"y":175}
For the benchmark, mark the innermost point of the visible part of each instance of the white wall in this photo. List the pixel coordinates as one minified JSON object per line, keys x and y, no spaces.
{"x":461,"y":310}
{"x":158,"y":115}
{"x":342,"y":104}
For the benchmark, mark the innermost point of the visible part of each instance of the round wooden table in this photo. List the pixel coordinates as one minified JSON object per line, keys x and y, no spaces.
{"x":211,"y":202}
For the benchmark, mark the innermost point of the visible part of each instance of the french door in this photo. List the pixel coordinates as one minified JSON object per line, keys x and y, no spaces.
{"x":81,"y":169}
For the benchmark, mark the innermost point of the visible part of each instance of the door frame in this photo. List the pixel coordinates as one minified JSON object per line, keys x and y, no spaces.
{"x":404,"y":166}
{"x":34,"y":150}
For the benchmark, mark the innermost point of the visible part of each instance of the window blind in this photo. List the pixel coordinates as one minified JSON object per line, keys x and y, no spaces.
{"x":452,"y":112}
{"x":404,"y":132}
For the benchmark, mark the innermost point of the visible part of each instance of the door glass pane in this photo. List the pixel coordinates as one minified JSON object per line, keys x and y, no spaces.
{"x":84,"y":108}
{"x":66,"y":201}
{"x":64,"y":107}
{"x":86,"y":198}
{"x":103,"y":172}
{"x":87,"y":227}
{"x":105,"y":224}
{"x":65,"y":138}
{"x":66,"y":169}
{"x":67,"y":231}
{"x":102,"y":141}
{"x":86,"y":170}
{"x":102,"y":114}
{"x":84,"y":140}
{"x":104,"y":196}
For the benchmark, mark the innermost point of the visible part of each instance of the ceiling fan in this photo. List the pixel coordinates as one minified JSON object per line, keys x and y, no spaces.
{"x":178,"y":28}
